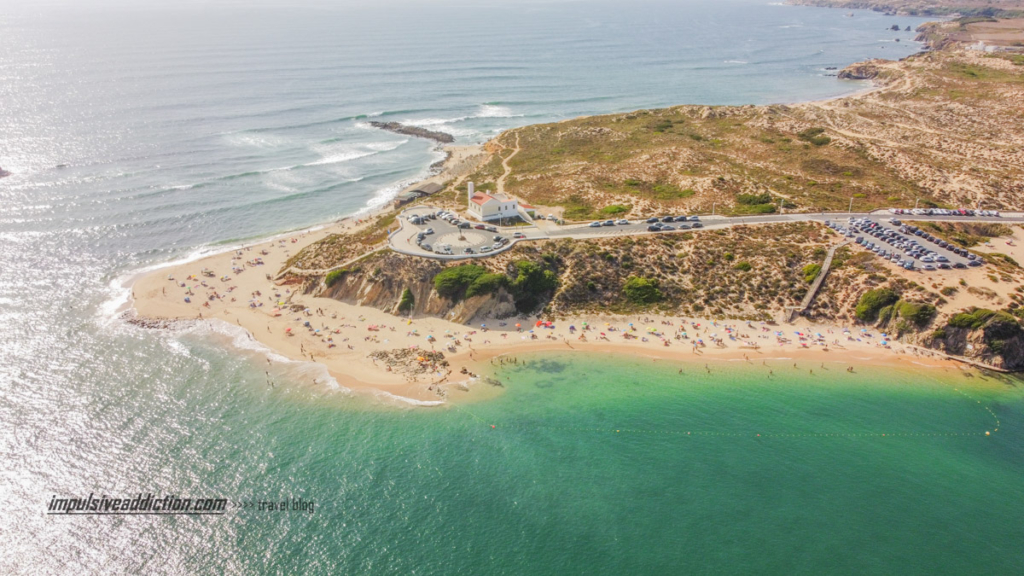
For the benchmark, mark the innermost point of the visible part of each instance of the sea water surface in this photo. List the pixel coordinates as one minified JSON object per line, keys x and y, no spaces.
{"x":144,"y":132}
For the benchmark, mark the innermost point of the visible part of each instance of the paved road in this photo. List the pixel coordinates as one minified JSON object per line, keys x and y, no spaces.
{"x":404,"y":240}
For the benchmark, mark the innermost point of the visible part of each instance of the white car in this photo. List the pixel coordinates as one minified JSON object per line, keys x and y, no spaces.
{"x":595,"y":224}
{"x":622,"y":222}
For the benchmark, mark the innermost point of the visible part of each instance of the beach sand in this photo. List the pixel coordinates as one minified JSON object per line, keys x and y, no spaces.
{"x":248,"y":299}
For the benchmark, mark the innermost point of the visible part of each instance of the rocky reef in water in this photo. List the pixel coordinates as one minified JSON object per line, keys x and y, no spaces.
{"x":416,"y":131}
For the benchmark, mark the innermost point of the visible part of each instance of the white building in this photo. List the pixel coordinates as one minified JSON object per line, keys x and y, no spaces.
{"x":485,"y":207}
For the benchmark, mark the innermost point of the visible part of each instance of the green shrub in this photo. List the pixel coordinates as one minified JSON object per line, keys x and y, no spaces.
{"x":939,"y":334}
{"x":453,"y":282}
{"x":752,"y":199}
{"x":407,"y":301}
{"x":972,"y":320}
{"x":334,"y":275}
{"x":615,"y":209}
{"x":814,"y":136}
{"x":756,"y":209}
{"x":917,"y":312}
{"x":872,"y":301}
{"x":743,"y":266}
{"x":486,"y":284}
{"x":811,"y":272}
{"x":948,"y":290}
{"x":641,"y":290}
{"x":532,"y":282}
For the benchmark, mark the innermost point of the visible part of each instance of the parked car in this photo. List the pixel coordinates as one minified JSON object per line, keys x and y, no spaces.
{"x":652,"y":220}
{"x":696,"y":224}
{"x":595,"y":225}
{"x":519,"y":235}
{"x":486,"y":249}
{"x":480,"y":227}
{"x":623,"y":222}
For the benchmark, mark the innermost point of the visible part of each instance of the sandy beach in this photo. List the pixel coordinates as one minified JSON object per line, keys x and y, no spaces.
{"x":372,"y":351}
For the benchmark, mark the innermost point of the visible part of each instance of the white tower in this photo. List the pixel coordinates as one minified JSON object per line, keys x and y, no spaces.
{"x":471,"y":190}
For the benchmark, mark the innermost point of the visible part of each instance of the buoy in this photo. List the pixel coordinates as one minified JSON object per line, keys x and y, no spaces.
{"x":492,"y":425}
{"x":987,"y":433}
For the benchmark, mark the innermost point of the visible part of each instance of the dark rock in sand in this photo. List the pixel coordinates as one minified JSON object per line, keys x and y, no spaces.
{"x":4,"y":173}
{"x":414,"y":131}
{"x":861,"y":71}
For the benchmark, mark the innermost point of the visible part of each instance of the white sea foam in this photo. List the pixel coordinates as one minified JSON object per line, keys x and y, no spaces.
{"x":338,"y":158}
{"x":736,"y":62}
{"x":492,"y":111}
{"x":241,"y":339}
{"x":407,"y":400}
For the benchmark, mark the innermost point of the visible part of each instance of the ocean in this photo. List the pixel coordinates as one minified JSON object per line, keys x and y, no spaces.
{"x":141,"y":133}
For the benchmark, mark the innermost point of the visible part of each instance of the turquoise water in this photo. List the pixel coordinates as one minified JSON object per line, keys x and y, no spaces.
{"x":145,"y":132}
{"x":593,"y":466}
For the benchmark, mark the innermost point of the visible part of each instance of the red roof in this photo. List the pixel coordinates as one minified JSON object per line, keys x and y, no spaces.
{"x":481,"y":199}
{"x":527,"y":206}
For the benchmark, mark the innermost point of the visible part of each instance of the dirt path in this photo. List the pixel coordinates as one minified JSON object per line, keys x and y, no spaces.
{"x":500,"y":184}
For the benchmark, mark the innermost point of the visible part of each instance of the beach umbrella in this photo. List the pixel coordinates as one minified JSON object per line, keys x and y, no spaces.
{"x":519,"y":325}
{"x":287,"y":329}
{"x":483,"y":325}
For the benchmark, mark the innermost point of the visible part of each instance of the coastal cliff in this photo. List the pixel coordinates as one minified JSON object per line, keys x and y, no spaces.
{"x":416,"y":131}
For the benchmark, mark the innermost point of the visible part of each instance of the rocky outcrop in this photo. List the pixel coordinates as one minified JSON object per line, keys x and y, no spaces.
{"x":860,"y":71}
{"x":996,"y":339}
{"x":4,"y":172}
{"x":416,"y":131}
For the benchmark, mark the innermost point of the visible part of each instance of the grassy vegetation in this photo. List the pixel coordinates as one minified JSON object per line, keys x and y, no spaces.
{"x":334,"y":275}
{"x":683,"y":159}
{"x":641,"y":290}
{"x":811,"y":272}
{"x":815,"y":136}
{"x":873,"y":301}
{"x":453,"y":282}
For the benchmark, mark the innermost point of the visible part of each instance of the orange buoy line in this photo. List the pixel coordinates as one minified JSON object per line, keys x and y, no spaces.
{"x":738,"y":434}
{"x":995,"y":418}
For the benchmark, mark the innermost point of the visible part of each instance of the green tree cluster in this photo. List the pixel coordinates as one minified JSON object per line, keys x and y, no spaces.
{"x":641,"y":290}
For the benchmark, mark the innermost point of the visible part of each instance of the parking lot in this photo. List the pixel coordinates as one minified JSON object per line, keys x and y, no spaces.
{"x":437,"y":234}
{"x":904,"y":245}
